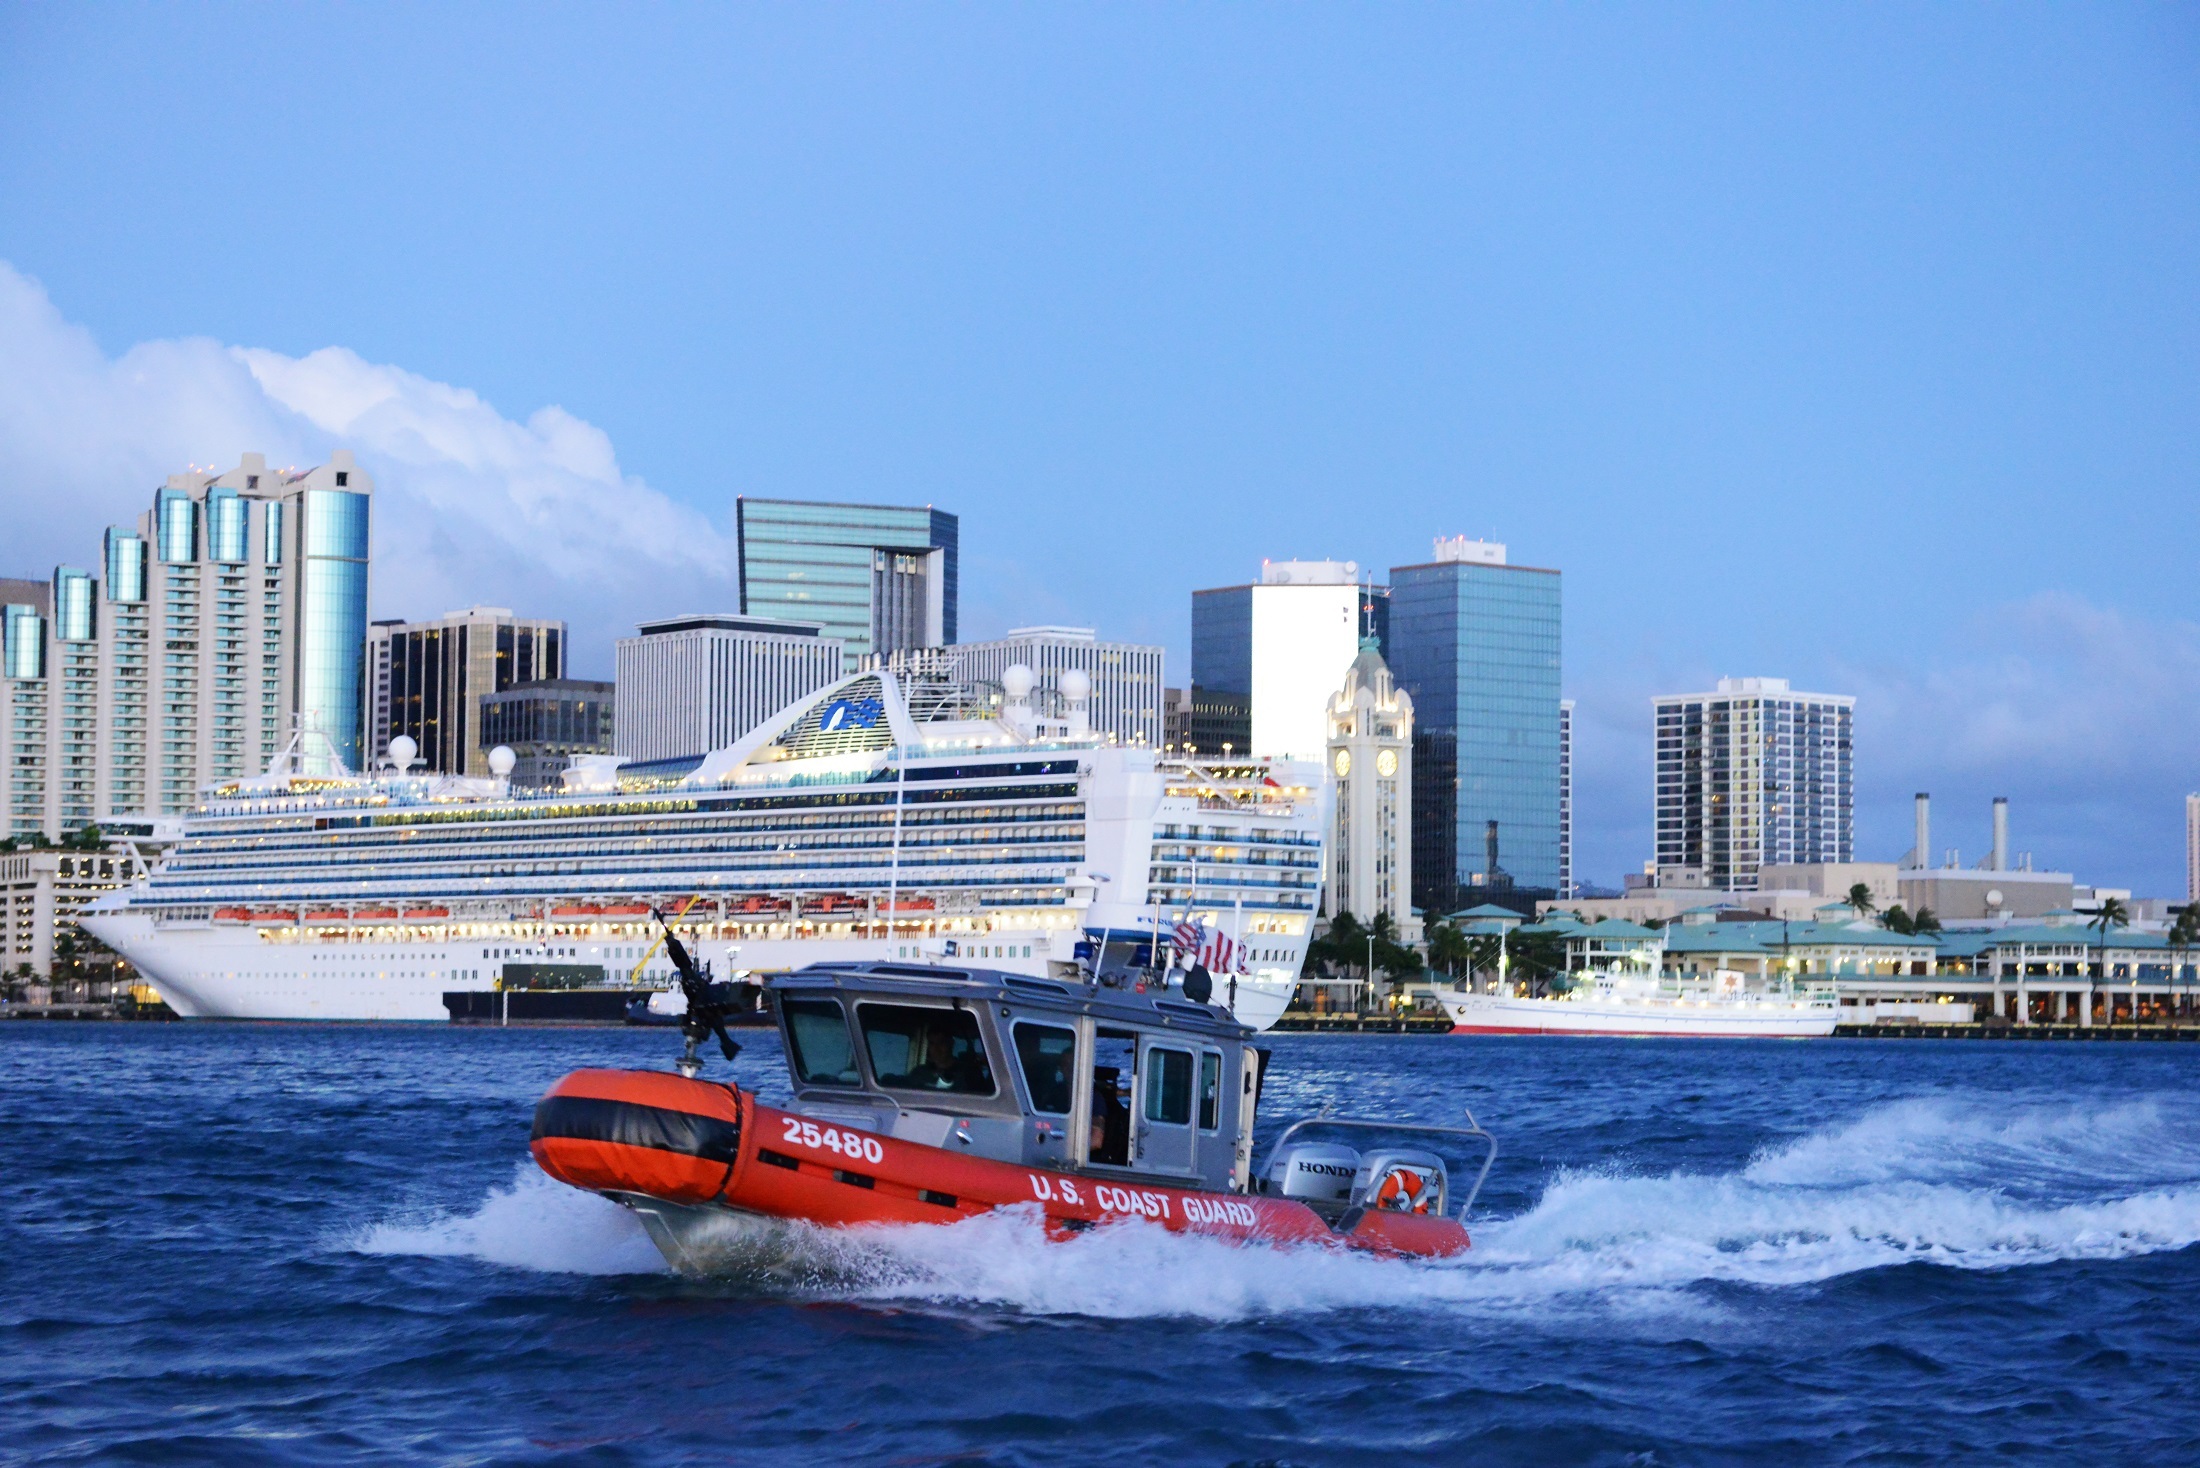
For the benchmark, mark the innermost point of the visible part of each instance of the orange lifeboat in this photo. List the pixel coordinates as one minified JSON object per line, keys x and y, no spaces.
{"x":576,"y":910}
{"x":637,"y":909}
{"x":375,"y":915}
{"x":417,"y":914}
{"x":232,"y":914}
{"x":328,"y":917}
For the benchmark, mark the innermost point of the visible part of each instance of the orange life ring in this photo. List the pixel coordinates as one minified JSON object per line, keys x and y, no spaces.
{"x":1405,"y":1190}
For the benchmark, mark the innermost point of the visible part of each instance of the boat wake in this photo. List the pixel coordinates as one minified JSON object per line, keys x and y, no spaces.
{"x":1959,"y":1184}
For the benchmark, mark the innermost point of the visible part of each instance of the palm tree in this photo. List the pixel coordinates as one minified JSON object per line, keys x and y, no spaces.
{"x":1924,"y":920}
{"x":1448,"y":949}
{"x":2113,"y":915}
{"x":2183,"y":934}
{"x":1860,"y":898}
{"x":1895,"y":920}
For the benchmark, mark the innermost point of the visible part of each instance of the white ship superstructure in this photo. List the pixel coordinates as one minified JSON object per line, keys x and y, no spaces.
{"x":849,"y":827}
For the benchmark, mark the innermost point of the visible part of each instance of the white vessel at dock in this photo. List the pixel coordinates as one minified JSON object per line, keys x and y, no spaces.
{"x":849,"y":827}
{"x":1725,"y":1006}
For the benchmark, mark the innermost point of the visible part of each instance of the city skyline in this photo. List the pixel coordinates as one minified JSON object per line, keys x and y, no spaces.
{"x":1848,"y":297}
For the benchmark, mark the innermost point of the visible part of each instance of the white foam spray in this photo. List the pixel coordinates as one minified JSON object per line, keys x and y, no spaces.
{"x":1959,"y":1184}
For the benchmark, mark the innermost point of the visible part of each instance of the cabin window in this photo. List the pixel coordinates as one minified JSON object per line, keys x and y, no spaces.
{"x":1048,"y":1054}
{"x":1210,"y":1090}
{"x":921,"y":1049}
{"x":1169,"y":1087}
{"x":817,"y":1033}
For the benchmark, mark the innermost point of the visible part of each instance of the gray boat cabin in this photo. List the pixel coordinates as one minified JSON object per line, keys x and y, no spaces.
{"x":1112,"y":1082}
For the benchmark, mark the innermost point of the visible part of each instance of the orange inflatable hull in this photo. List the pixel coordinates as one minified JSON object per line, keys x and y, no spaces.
{"x":695,"y":1143}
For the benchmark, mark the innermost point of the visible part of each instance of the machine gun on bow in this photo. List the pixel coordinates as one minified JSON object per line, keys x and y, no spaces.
{"x":706,"y":1010}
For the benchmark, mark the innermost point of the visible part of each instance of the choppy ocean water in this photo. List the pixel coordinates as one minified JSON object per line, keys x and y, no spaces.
{"x":234,"y":1244}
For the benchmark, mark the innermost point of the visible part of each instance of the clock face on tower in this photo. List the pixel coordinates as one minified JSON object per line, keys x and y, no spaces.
{"x":1341,"y":762}
{"x":1386,"y":763}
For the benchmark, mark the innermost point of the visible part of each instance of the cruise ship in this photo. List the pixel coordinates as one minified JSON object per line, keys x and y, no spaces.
{"x":872,"y":820}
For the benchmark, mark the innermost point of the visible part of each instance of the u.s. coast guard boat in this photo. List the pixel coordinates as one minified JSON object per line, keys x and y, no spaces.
{"x":930,"y":1094}
{"x":863,"y":823}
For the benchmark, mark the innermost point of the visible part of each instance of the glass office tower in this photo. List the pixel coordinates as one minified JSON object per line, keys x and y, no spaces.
{"x":1476,"y":642}
{"x":332,"y":615}
{"x":882,"y":578}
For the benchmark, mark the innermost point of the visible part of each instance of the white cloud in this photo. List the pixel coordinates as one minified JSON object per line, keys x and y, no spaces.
{"x":471,"y":506}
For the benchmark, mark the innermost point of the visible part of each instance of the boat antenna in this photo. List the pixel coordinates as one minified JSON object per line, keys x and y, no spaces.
{"x":705,"y":1015}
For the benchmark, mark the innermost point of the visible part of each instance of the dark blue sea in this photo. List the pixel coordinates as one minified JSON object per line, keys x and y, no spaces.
{"x":232,"y":1244}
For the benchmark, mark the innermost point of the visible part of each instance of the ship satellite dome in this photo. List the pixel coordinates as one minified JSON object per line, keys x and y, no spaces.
{"x":1016,"y":680}
{"x":501,"y":760}
{"x":1075,"y":684}
{"x":403,"y":751}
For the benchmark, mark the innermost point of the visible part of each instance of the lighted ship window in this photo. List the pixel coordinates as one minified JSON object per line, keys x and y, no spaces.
{"x":817,"y":1032}
{"x":919,"y":1049}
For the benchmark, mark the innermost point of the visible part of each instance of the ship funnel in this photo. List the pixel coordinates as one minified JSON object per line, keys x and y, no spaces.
{"x":2001,"y":833}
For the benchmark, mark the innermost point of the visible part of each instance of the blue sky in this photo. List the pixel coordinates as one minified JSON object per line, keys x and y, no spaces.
{"x":1856,"y":345}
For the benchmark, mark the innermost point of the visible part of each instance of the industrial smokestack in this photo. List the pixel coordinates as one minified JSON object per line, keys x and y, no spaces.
{"x":2001,"y":833}
{"x":1924,"y":854}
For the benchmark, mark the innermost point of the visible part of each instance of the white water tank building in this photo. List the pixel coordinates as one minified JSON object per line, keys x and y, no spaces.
{"x":690,"y":684}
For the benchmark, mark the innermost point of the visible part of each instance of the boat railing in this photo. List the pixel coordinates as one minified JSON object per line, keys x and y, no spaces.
{"x":1472,"y":1129}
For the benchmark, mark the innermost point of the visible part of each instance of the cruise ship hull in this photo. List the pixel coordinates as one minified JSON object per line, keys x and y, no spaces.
{"x":1707,"y":1018}
{"x":210,"y":972}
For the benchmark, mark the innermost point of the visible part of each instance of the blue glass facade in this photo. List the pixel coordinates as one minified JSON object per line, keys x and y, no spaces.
{"x":24,"y":645}
{"x":227,"y":519}
{"x":125,"y":559}
{"x":332,"y":617}
{"x":1222,"y":640}
{"x":176,"y":526}
{"x":72,"y":604}
{"x":1477,"y":646}
{"x":823,"y":563}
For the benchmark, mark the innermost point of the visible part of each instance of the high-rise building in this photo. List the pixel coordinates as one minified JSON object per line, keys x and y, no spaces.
{"x":688,"y":685}
{"x":879,"y":578}
{"x":1476,"y":641}
{"x":1203,"y":721}
{"x":1125,"y":697}
{"x":426,"y":680}
{"x":236,"y":608}
{"x":1565,"y":797}
{"x":1283,"y":644}
{"x":546,"y":723}
{"x":1751,"y":775}
{"x":1370,"y":756}
{"x":2192,"y":848}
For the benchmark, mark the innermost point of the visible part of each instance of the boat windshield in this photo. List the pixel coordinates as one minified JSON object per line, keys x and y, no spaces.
{"x":918,"y":1048}
{"x":817,"y":1034}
